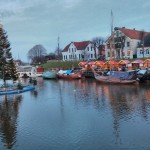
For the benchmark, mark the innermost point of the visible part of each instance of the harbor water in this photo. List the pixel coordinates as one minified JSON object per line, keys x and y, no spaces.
{"x":76,"y":115}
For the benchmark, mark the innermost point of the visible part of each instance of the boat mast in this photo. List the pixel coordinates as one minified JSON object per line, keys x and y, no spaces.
{"x":111,"y":40}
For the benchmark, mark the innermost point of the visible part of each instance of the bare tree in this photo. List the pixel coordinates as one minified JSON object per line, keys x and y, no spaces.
{"x":97,"y":41}
{"x":37,"y":54}
{"x":147,"y":40}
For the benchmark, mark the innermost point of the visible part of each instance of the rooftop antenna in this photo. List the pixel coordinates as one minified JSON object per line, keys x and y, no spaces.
{"x":58,"y":42}
{"x":58,"y":46}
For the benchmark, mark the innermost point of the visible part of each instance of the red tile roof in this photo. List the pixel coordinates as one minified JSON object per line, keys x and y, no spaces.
{"x":66,"y":48}
{"x":132,"y":33}
{"x":79,"y":45}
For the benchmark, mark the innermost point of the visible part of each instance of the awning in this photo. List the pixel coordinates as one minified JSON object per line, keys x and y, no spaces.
{"x":113,"y":62}
{"x":82,"y":63}
{"x":147,"y":61}
{"x":99,"y":63}
{"x":124,"y":62}
{"x":138,"y":61}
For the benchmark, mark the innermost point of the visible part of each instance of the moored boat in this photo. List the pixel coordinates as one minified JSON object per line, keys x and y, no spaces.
{"x":49,"y":75}
{"x":117,"y":77}
{"x":69,"y":74}
{"x":143,"y":75}
{"x":26,"y":71}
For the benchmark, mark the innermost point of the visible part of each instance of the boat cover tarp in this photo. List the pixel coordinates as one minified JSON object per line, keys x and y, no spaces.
{"x":142,"y":72}
{"x":68,"y":71}
{"x":124,"y":75}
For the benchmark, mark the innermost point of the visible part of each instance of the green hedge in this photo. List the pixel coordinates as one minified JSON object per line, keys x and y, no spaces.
{"x":61,"y":65}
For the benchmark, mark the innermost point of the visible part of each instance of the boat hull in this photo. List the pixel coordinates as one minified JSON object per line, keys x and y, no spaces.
{"x":69,"y":76}
{"x":49,"y":75}
{"x":106,"y":79}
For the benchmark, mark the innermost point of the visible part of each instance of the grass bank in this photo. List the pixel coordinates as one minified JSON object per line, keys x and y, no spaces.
{"x":62,"y":65}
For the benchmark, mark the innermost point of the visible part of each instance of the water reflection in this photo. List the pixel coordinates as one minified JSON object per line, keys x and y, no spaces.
{"x":125,"y":102}
{"x":78,"y":114}
{"x":9,"y":107}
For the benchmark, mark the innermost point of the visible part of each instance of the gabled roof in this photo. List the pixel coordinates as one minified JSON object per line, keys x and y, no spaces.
{"x":79,"y":45}
{"x":132,"y":33}
{"x":66,"y":48}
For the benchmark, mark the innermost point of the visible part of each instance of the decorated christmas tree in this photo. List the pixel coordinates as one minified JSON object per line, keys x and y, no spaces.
{"x":7,"y":67}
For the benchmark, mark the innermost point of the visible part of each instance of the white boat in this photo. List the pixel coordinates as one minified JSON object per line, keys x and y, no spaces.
{"x":49,"y":75}
{"x":26,"y":71}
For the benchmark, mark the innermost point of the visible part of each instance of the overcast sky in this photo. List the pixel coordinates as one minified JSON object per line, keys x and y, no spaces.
{"x":31,"y":22}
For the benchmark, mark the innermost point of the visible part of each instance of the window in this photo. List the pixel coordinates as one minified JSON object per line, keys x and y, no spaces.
{"x":75,"y":49}
{"x":91,"y":49}
{"x":64,"y":56}
{"x":141,"y":51}
{"x":72,"y":49}
{"x":79,"y":56}
{"x":128,"y":44}
{"x":147,"y":51}
{"x":69,"y":50}
{"x":91,"y":55}
{"x":108,"y":46}
{"x":88,"y":48}
{"x":108,"y":54}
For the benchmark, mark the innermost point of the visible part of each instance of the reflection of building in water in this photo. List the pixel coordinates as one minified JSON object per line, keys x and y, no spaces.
{"x":124,"y":101}
{"x":9,"y":109}
{"x":147,"y":94}
{"x":88,"y":92}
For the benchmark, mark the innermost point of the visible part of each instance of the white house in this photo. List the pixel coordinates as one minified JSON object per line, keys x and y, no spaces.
{"x":124,"y":43}
{"x":143,"y":52}
{"x":80,"y":51}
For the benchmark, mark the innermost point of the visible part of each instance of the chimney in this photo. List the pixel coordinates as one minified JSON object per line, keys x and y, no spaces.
{"x":133,"y":28}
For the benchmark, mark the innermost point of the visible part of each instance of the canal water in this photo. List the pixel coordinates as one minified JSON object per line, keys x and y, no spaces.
{"x":76,"y":115}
